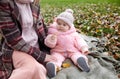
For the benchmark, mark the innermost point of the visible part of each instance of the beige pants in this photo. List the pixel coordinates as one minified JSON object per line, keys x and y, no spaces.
{"x":26,"y":67}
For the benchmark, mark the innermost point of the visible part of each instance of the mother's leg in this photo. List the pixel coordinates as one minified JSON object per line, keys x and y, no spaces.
{"x":26,"y":67}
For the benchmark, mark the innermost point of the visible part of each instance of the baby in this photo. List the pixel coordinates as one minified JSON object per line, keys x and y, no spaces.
{"x":65,"y":42}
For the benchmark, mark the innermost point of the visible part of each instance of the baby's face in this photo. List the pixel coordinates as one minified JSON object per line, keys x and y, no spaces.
{"x":62,"y":26}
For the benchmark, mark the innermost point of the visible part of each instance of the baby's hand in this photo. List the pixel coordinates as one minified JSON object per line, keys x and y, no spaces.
{"x":53,"y":37}
{"x":86,"y":52}
{"x":51,"y":40}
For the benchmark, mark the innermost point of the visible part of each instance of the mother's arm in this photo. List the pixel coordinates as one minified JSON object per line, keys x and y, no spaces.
{"x":12,"y":34}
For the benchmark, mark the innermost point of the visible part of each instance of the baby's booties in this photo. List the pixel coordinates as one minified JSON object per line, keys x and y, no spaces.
{"x":51,"y":69}
{"x":82,"y":64}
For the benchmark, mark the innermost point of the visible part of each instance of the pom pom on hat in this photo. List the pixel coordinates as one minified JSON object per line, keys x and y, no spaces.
{"x":67,"y":16}
{"x":69,"y":10}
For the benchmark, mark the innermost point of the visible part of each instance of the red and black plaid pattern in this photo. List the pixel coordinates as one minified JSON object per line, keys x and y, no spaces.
{"x":10,"y":22}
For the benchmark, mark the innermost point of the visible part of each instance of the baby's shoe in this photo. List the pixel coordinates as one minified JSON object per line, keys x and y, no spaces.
{"x":51,"y":69}
{"x":82,"y":64}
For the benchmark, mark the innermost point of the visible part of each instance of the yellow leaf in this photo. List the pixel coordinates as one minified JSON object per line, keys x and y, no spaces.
{"x":65,"y":65}
{"x":97,"y":30}
{"x":99,"y":22}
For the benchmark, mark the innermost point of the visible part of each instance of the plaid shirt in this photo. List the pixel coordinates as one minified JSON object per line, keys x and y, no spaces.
{"x":10,"y":28}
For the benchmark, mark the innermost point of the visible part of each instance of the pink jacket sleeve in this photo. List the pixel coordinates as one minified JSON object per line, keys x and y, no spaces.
{"x":52,"y":28}
{"x":51,"y":39}
{"x":81,"y":44}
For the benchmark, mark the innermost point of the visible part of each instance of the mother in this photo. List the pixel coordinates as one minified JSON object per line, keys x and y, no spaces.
{"x":23,"y":32}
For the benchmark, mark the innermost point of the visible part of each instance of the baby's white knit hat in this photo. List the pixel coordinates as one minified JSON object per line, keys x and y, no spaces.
{"x":67,"y":16}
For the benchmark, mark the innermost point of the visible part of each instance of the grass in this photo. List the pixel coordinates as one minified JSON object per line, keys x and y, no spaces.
{"x":85,"y":8}
{"x":85,"y":11}
{"x":60,"y":3}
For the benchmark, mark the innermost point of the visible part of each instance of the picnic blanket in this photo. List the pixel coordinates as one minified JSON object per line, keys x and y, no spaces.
{"x":101,"y":66}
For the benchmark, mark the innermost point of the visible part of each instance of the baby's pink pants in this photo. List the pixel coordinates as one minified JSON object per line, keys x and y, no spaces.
{"x":26,"y":67}
{"x":62,"y":56}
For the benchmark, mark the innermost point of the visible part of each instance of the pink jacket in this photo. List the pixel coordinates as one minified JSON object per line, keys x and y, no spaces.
{"x":65,"y":41}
